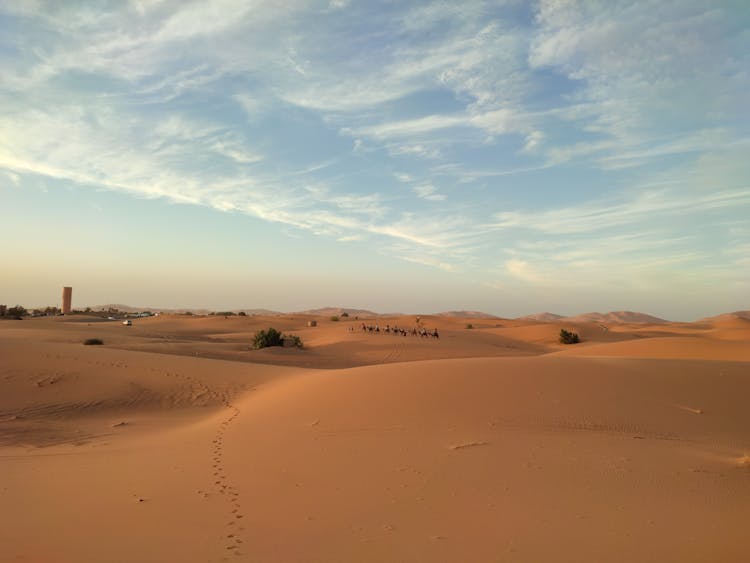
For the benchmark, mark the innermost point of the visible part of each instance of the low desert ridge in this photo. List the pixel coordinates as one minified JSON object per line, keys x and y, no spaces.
{"x":174,"y":441}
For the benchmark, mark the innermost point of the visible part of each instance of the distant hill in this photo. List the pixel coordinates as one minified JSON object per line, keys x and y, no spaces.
{"x":616,"y":317}
{"x":543,"y":317}
{"x":338,"y":311}
{"x":466,"y":315}
{"x":728,"y":316}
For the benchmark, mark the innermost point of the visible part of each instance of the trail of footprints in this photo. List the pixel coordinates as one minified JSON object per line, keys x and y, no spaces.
{"x":234,"y":528}
{"x":233,"y":538}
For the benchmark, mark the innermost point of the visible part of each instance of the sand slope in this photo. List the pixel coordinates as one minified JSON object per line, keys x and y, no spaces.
{"x":175,"y":442}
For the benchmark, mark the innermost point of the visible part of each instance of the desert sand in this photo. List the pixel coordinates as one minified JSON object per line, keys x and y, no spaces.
{"x":174,"y":441}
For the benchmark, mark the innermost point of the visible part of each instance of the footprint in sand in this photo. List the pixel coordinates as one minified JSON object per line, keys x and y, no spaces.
{"x":690,"y":409}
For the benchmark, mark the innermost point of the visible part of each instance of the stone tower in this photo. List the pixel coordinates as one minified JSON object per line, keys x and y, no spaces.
{"x":67,"y":297}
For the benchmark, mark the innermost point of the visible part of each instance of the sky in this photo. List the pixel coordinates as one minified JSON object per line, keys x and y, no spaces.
{"x":510,"y":156}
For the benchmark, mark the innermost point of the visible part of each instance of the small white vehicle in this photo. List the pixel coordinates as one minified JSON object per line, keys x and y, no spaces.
{"x":127,"y":323}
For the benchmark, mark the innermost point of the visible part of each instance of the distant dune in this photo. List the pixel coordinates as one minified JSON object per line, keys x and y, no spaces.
{"x":613,"y":317}
{"x":543,"y":317}
{"x":728,"y":316}
{"x":466,"y":315}
{"x":616,"y":317}
{"x":338,"y":311}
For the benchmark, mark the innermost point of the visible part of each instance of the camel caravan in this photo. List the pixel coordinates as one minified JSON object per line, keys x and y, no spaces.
{"x":416,"y":331}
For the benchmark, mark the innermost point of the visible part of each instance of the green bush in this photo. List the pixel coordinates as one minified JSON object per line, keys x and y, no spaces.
{"x":16,"y":312}
{"x":266,"y":338}
{"x":272,"y":337}
{"x":296,"y":340}
{"x":567,"y":337}
{"x":335,"y":318}
{"x":93,"y":341}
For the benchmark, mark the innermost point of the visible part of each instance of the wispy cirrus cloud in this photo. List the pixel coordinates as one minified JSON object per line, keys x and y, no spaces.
{"x":643,"y":69}
{"x":600,"y":215}
{"x":428,"y":192}
{"x":356,"y":122}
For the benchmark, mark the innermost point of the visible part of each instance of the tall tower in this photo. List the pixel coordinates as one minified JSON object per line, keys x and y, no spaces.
{"x":67,"y":297}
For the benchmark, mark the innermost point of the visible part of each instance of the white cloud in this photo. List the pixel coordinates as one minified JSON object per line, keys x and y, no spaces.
{"x":338,"y":4}
{"x":13,"y":177}
{"x":410,"y":127}
{"x":522,"y":270}
{"x":235,"y":150}
{"x":427,"y":261}
{"x":428,"y":192}
{"x":251,"y":104}
{"x":419,"y":150}
{"x":495,"y":122}
{"x":196,"y":19}
{"x":641,"y":69}
{"x":590,"y":217}
{"x":533,"y":140}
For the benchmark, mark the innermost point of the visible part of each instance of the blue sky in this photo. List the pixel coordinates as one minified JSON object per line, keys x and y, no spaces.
{"x":505,"y":156}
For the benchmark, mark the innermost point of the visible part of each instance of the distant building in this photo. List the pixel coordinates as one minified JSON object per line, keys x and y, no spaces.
{"x":67,"y":299}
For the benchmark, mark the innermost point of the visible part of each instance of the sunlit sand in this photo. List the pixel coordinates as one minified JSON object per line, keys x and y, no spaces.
{"x":174,"y":441}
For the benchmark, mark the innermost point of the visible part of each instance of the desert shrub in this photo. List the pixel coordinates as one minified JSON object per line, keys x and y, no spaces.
{"x":567,"y":337}
{"x":266,"y":338}
{"x":242,"y":314}
{"x":344,"y":314}
{"x":296,"y":340}
{"x":335,"y":318}
{"x":16,"y":311}
{"x":93,"y":341}
{"x":272,"y":337}
{"x":469,"y":325}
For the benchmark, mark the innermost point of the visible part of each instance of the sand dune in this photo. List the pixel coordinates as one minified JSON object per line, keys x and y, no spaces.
{"x":331,"y":311}
{"x":175,"y":442}
{"x":616,"y":317}
{"x":613,"y":317}
{"x":728,"y":316}
{"x":467,"y":315}
{"x":543,"y":317}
